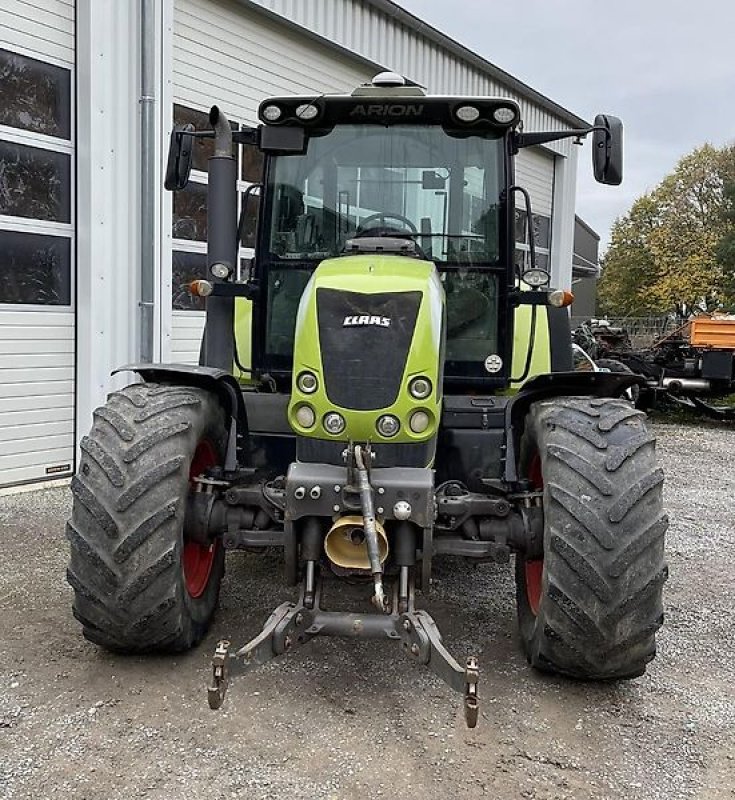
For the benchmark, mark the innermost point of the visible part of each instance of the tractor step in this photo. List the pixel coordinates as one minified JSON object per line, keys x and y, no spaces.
{"x":294,"y":624}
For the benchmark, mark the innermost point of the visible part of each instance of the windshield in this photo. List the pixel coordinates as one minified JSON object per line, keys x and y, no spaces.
{"x":421,"y":183}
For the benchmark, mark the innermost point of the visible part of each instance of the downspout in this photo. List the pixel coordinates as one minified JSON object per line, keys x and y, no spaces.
{"x":148,"y":187}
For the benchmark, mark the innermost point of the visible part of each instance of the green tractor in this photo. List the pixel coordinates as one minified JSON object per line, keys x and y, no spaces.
{"x":383,"y":388}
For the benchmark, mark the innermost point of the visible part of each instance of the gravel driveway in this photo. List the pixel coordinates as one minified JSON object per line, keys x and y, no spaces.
{"x":348,"y":720}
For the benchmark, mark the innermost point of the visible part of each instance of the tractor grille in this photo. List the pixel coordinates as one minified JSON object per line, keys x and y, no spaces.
{"x":364,"y":341}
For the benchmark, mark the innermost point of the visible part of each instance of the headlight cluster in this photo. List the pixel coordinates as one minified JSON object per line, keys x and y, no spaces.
{"x":387,"y":425}
{"x":275,"y":113}
{"x":467,"y":114}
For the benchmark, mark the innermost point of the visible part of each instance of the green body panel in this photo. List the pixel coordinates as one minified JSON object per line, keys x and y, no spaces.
{"x":373,"y":274}
{"x":541,"y":358}
{"x":243,"y":338}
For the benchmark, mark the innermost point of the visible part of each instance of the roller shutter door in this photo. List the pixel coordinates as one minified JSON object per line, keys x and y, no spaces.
{"x":37,"y":261}
{"x":535,"y":172}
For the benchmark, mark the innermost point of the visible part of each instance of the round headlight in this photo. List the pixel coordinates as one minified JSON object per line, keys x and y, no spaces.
{"x":420,"y":388}
{"x":271,"y":113}
{"x":305,"y":416}
{"x":307,"y":382}
{"x":221,"y":271}
{"x":536,"y":277}
{"x":334,"y":423}
{"x":419,"y":421}
{"x":504,"y":115}
{"x":388,"y":426}
{"x":307,"y":111}
{"x":467,"y":113}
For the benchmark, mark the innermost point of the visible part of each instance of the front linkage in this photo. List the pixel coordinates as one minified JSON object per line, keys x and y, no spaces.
{"x":294,"y":624}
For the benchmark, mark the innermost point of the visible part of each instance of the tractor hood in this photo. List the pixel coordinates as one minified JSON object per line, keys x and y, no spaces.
{"x":367,"y":326}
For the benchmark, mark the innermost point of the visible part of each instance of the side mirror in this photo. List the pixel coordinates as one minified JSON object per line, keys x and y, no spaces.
{"x":607,"y":150}
{"x":179,"y":157}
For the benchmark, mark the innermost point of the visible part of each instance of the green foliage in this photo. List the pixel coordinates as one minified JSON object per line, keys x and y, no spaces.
{"x":676,"y":245}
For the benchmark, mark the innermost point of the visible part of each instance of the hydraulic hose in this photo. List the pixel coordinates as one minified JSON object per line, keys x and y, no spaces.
{"x":371,"y":534}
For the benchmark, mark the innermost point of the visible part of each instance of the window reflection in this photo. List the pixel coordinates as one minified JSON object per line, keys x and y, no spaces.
{"x":190,"y":213}
{"x":186,"y":267}
{"x":35,"y":183}
{"x":35,"y":269}
{"x":35,"y":96}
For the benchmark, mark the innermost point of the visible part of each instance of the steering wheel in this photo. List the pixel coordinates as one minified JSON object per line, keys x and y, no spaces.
{"x":364,"y":229}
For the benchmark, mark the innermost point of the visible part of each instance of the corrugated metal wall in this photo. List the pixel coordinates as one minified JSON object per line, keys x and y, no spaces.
{"x":364,"y":29}
{"x":535,"y":172}
{"x":227,"y":54}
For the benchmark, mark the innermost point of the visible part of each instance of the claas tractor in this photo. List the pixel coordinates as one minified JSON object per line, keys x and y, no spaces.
{"x":381,"y":387}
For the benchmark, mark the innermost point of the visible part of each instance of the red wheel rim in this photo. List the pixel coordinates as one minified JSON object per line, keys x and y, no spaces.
{"x":534,"y":569}
{"x":197,"y":559}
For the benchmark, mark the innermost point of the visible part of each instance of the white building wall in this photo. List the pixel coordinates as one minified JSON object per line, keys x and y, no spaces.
{"x":109,"y":194}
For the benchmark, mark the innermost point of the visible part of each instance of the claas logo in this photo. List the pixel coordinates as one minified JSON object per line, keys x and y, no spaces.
{"x":365,"y":319}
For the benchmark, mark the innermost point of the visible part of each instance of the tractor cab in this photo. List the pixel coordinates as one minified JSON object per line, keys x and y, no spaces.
{"x":404,"y":180}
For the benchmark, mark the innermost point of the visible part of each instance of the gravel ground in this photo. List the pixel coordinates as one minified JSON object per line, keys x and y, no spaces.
{"x":343,"y":720}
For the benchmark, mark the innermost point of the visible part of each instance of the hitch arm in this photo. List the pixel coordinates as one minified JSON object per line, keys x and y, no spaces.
{"x":421,"y":638}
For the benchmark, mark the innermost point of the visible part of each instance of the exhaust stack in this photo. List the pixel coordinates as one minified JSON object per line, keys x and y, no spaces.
{"x":221,"y":242}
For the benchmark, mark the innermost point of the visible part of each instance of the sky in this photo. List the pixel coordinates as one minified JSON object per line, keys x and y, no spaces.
{"x":665,"y":67}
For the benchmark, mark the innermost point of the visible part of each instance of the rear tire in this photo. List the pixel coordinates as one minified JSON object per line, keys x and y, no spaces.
{"x":592,"y":607}
{"x":138,"y":586}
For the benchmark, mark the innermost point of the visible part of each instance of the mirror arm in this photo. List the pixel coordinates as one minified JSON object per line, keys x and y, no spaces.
{"x":529,"y":139}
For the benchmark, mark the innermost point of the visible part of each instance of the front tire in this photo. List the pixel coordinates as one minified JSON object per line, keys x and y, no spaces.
{"x":590,"y":609}
{"x":139,"y":586}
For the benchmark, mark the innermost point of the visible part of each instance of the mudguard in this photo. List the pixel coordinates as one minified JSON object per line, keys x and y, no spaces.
{"x":220,"y":383}
{"x":556,"y":384}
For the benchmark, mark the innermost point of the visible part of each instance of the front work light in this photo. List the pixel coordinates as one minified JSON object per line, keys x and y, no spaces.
{"x":334,"y":423}
{"x":467,"y":113}
{"x":536,"y":277}
{"x":272,"y":113}
{"x":307,"y":111}
{"x":305,"y":416}
{"x":307,"y":382}
{"x":419,"y":421}
{"x":388,"y":426}
{"x":504,"y":115}
{"x":420,"y":388}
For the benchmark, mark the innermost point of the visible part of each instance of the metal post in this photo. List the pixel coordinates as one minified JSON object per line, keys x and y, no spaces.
{"x":148,"y":191}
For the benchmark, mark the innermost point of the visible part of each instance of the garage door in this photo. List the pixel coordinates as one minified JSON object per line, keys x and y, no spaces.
{"x":234,"y":57}
{"x":37,"y":324}
{"x":535,"y":172}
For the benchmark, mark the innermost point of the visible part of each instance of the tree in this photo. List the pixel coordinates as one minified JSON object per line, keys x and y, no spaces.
{"x":725,"y":252}
{"x":666,"y":251}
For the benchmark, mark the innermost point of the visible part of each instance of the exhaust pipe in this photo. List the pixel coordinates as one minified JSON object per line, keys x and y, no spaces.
{"x":219,"y":350}
{"x":679,"y":385}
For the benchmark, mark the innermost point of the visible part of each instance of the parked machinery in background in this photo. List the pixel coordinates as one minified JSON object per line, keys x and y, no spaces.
{"x":692,"y":365}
